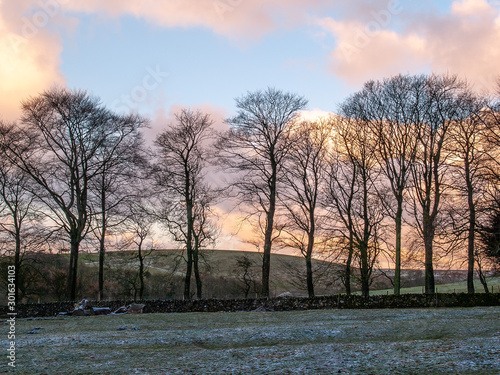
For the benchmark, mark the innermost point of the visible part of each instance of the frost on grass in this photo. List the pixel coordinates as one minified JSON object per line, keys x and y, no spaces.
{"x":452,"y":341}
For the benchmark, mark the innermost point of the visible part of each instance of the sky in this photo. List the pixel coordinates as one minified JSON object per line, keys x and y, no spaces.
{"x":155,"y":57}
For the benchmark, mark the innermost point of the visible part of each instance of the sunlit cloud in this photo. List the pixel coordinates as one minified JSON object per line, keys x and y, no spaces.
{"x":30,"y":64}
{"x":164,"y":118}
{"x":360,"y":56}
{"x":465,"y":41}
{"x":372,"y":39}
{"x":231,"y":18}
{"x":314,"y":115}
{"x":236,"y":234}
{"x":31,"y":44}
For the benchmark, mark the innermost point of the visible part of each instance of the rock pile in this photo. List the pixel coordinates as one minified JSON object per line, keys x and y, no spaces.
{"x":83,"y":308}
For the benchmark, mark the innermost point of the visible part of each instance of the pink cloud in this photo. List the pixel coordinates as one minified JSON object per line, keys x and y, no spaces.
{"x":162,"y":118}
{"x":315,"y":114}
{"x":466,"y":41}
{"x":360,"y":56}
{"x":28,"y":67}
{"x":470,"y":7}
{"x":30,"y":42}
{"x":231,"y":18}
{"x":30,"y":52}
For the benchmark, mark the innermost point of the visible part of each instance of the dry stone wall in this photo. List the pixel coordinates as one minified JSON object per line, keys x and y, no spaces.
{"x":272,"y":304}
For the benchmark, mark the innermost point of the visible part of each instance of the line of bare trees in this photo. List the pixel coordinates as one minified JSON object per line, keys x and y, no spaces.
{"x":408,"y":170}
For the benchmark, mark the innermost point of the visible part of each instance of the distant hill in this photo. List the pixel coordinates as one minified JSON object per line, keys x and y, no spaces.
{"x":225,"y":274}
{"x":287,"y":273}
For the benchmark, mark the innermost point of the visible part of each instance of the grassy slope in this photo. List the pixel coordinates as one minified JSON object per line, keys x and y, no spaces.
{"x":458,"y":287}
{"x":222,"y":264}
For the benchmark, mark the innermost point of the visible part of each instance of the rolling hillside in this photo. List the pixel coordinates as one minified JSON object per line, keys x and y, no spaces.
{"x":225,"y":274}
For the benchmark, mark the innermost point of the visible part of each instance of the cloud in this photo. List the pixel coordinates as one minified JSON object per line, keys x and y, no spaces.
{"x":231,"y":18}
{"x":465,"y":41}
{"x":31,"y":44}
{"x":361,"y":55}
{"x":162,"y":118}
{"x":30,"y":60}
{"x":236,"y":234}
{"x":315,"y":114}
{"x":470,"y":7}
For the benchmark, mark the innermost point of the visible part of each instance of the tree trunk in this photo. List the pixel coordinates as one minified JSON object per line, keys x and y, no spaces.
{"x":310,"y":247}
{"x":310,"y":283}
{"x":397,"y":266}
{"x":189,"y":236}
{"x":365,"y":277}
{"x":347,"y":274}
{"x":197,"y":276}
{"x":472,"y":229}
{"x":470,"y":250}
{"x":266,"y":260}
{"x":187,"y":277}
{"x":73,"y":269}
{"x":429,"y":268}
{"x":482,"y":278}
{"x":102,"y":248}
{"x":365,"y":272}
{"x":141,"y":271}
{"x":101,"y":268}
{"x":17,"y":264}
{"x":247,"y":282}
{"x":266,"y":267}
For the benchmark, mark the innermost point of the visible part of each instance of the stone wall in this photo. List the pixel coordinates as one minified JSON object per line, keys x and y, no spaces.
{"x":273,"y":304}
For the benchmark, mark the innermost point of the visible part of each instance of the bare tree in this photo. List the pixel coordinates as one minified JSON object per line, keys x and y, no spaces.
{"x":254,"y":149}
{"x":186,"y":197}
{"x":17,"y":212}
{"x":302,"y":185}
{"x":467,"y":141}
{"x":341,"y":193}
{"x":63,"y":131}
{"x":140,"y":223}
{"x":440,"y":105}
{"x":487,"y":247}
{"x":489,"y":230}
{"x":388,"y":108}
{"x":245,"y":273}
{"x":489,"y":227}
{"x":205,"y":229}
{"x":122,"y":161}
{"x":353,"y":196}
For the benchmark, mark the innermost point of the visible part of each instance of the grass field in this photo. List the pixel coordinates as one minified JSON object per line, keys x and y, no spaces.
{"x":417,"y":341}
{"x":459,"y":287}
